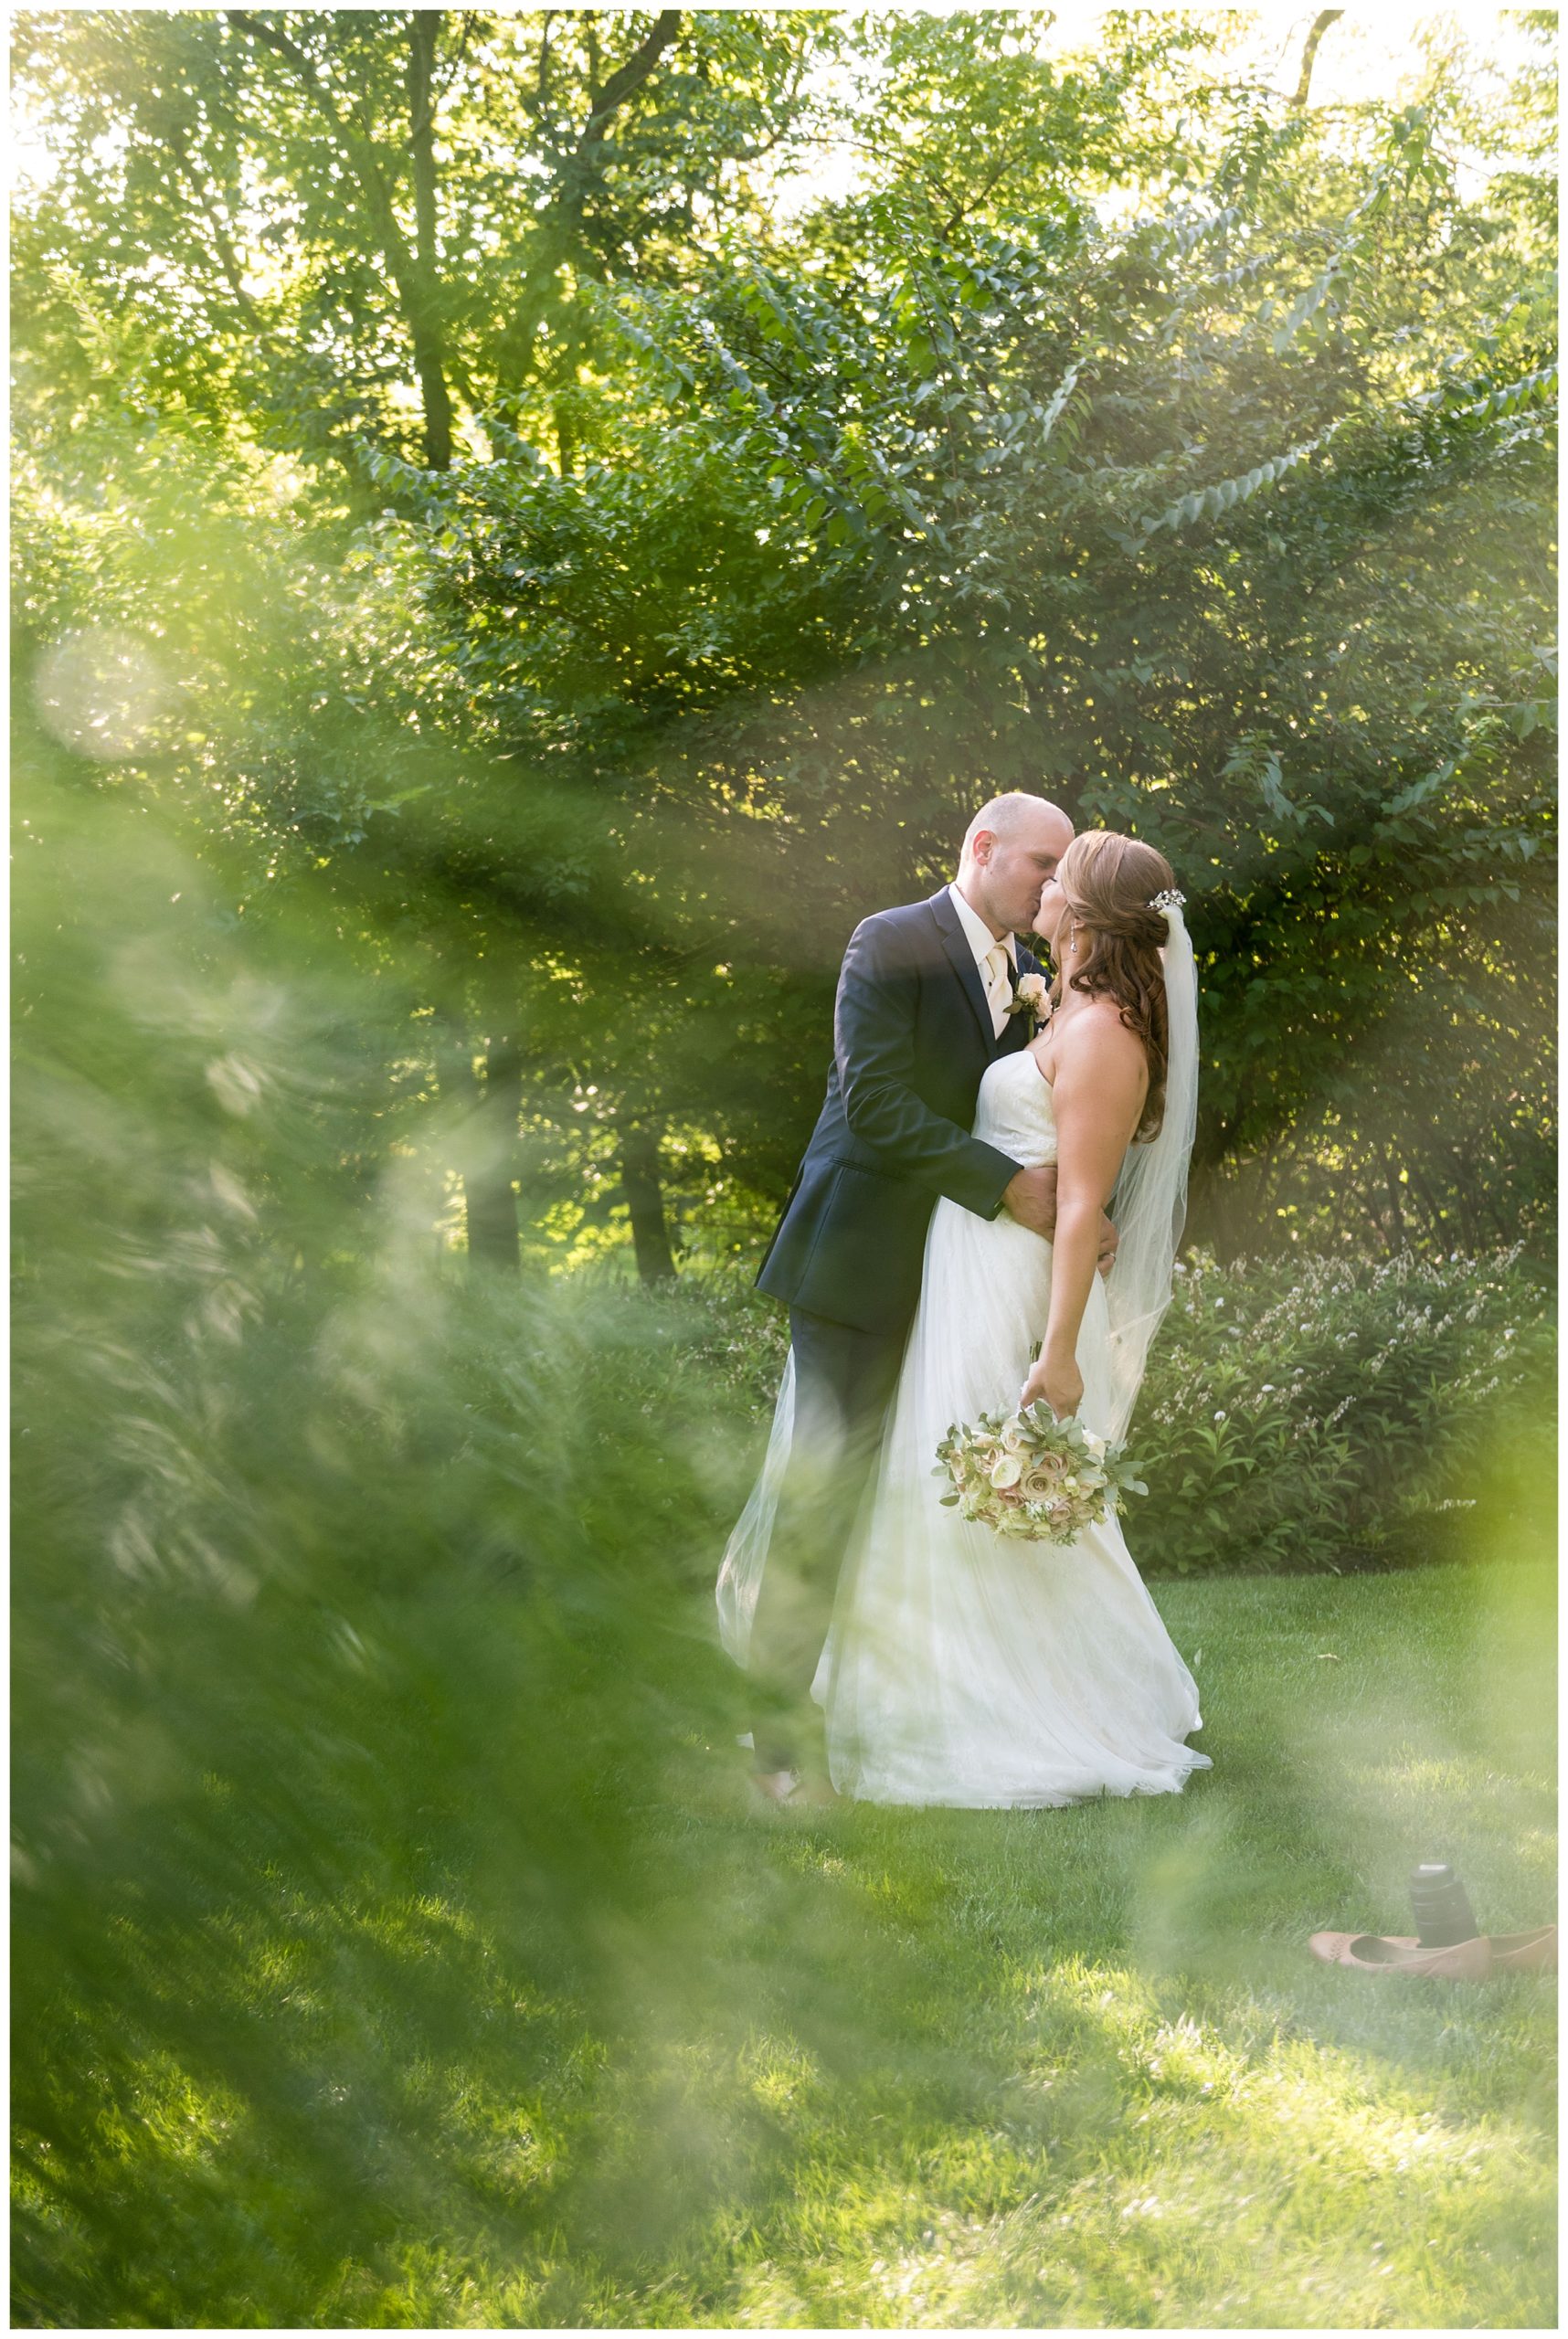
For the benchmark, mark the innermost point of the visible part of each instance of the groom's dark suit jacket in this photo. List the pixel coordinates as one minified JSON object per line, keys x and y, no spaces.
{"x":912,"y":1036}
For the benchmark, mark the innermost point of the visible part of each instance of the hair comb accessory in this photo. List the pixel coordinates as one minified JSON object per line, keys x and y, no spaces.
{"x":1170,"y":900}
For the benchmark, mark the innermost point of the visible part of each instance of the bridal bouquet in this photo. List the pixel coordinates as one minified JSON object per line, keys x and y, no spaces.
{"x":1031,"y":1476}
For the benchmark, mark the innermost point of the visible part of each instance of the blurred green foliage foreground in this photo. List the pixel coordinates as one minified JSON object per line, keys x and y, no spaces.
{"x":393,"y":1945}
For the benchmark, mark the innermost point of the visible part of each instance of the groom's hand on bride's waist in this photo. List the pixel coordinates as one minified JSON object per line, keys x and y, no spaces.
{"x":1031,"y":1198}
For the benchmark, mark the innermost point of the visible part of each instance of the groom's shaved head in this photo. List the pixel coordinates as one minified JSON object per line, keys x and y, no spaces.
{"x":1006,"y":816}
{"x":1010,"y":847}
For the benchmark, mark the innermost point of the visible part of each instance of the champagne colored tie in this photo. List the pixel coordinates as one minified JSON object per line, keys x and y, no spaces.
{"x":998,"y":987}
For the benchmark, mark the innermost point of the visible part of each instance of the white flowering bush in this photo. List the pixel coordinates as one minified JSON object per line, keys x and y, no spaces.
{"x":1328,"y":1413}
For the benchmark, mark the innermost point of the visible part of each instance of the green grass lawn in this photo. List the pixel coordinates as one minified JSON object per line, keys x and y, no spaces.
{"x":863,"y":2067}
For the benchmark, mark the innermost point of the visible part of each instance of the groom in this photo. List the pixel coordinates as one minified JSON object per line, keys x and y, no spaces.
{"x":925,"y":1003}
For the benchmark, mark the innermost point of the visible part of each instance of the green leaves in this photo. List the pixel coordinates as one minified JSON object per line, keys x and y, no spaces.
{"x":772,"y":531}
{"x":1298,"y":1417}
{"x":1304,"y":306}
{"x":1208,"y":502}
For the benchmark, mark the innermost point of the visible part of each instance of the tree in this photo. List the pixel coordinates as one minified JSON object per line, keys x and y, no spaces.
{"x":1223,"y":522}
{"x":312,"y":209}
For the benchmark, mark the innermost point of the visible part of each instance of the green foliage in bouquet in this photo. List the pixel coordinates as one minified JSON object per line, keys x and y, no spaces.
{"x":1032,"y":1476}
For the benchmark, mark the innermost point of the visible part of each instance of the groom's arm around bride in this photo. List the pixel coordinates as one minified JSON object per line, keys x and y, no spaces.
{"x":893,"y":1131}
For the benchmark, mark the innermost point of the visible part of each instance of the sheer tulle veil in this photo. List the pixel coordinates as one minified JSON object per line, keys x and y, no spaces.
{"x":740,"y":1577}
{"x":1149,"y":1204}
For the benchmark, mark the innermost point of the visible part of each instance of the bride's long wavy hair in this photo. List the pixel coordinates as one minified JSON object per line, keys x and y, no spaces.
{"x":1109,"y":881}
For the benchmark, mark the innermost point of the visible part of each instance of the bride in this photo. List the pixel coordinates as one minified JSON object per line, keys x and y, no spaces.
{"x":962,"y":1668}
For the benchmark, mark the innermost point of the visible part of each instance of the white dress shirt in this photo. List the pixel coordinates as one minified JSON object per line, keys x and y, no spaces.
{"x":997,"y":962}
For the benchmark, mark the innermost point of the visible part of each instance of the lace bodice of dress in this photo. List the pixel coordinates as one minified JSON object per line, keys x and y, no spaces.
{"x":1014,"y":1112}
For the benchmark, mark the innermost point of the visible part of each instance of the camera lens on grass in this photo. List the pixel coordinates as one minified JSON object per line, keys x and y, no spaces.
{"x":1440,"y":1906}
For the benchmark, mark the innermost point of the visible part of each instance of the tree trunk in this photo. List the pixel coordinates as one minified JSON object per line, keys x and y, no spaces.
{"x":1463,"y":1204}
{"x":1223,"y":1207}
{"x":422,"y":291}
{"x":1391,"y":1176}
{"x":482,"y":1117}
{"x":1205,"y":1191}
{"x":565,"y":439}
{"x":1430,"y":1202}
{"x":645,"y":1202}
{"x":561,"y":226}
{"x":492,"y":1161}
{"x":413,"y":271}
{"x":1321,"y":23}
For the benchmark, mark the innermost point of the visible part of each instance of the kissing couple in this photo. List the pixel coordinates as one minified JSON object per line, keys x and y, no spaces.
{"x":947,"y":1251}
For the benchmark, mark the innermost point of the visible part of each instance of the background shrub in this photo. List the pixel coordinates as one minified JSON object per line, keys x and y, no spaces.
{"x":1299,"y":1413}
{"x":1335,"y":1413}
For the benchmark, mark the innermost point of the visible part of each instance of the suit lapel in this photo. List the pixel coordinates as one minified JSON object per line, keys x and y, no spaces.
{"x":955,"y":943}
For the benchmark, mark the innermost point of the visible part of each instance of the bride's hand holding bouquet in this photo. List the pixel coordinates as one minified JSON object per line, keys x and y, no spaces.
{"x":1057,"y":1380}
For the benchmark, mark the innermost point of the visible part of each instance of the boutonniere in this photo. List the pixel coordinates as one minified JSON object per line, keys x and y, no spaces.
{"x":1032,"y":997}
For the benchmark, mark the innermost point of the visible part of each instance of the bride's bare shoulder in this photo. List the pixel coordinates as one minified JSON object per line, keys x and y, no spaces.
{"x":1096,"y":1044}
{"x":1098,"y":1028}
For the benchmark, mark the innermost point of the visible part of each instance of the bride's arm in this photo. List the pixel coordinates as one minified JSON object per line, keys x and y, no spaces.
{"x":1102,"y":1078}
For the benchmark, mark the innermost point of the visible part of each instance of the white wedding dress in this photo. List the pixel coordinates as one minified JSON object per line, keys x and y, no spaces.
{"x":962,"y":1668}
